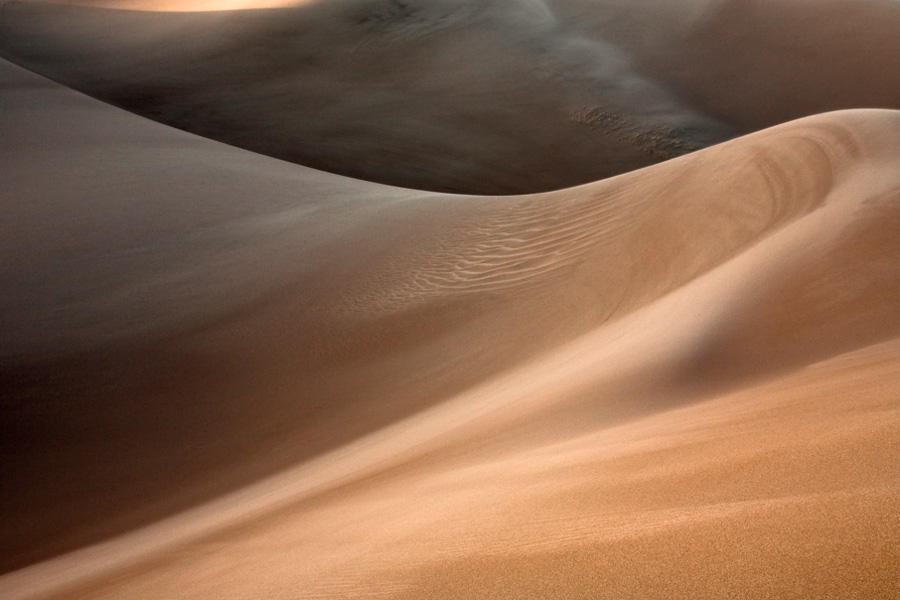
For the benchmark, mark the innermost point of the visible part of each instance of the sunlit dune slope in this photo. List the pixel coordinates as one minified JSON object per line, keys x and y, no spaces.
{"x":682,"y":378}
{"x":479,"y":96}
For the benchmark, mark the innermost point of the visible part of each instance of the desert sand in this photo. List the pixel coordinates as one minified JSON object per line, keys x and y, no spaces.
{"x":665,"y":364}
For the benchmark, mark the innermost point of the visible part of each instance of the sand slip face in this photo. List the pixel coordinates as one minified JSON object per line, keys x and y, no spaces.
{"x":683,"y":378}
{"x":118,"y":231}
{"x":108,"y":215}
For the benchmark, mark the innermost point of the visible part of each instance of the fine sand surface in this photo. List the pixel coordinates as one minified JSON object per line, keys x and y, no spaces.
{"x":225,"y":375}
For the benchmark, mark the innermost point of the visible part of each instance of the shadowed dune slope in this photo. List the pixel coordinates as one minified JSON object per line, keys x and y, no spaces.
{"x":224,"y":373}
{"x":782,"y":59}
{"x":478,"y":96}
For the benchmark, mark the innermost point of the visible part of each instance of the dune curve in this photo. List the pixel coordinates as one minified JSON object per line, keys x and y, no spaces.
{"x":496,"y":390}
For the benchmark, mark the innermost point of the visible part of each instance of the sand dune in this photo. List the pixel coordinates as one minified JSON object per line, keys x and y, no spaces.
{"x":404,"y":93}
{"x":229,"y":376}
{"x":395,"y":92}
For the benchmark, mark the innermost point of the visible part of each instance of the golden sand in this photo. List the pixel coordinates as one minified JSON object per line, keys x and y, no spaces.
{"x":229,"y":376}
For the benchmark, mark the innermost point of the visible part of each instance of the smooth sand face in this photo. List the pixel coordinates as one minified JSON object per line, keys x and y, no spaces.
{"x":226,"y":375}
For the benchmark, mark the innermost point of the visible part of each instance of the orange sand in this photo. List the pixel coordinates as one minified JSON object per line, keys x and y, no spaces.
{"x":228,"y":376}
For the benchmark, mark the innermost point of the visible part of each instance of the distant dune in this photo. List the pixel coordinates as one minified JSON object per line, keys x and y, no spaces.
{"x":479,"y":96}
{"x":225,"y":375}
